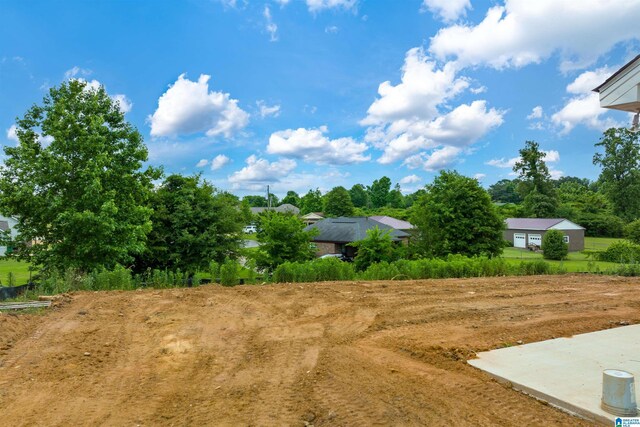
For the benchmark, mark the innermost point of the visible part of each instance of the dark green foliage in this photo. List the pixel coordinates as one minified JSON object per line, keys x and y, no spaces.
{"x":376,"y":247}
{"x":291,"y":198}
{"x":622,"y":252}
{"x":337,"y":202}
{"x":327,"y":269}
{"x":379,"y":192}
{"x":282,"y":239}
{"x":601,"y":224}
{"x":632,"y":232}
{"x":395,"y":198}
{"x":359,"y":196}
{"x":505,"y":191}
{"x":535,"y":185}
{"x":83,"y":196}
{"x":193,"y":223}
{"x":230,"y":273}
{"x":255,"y":201}
{"x":456,"y":216}
{"x":553,"y":245}
{"x":620,"y":176}
{"x":311,"y":202}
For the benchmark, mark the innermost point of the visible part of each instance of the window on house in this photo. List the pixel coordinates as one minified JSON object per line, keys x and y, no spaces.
{"x":565,"y":239}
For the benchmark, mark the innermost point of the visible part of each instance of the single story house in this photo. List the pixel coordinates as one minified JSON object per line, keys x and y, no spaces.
{"x":7,"y":223}
{"x":284,"y":208}
{"x":312,"y":217}
{"x":335,"y":234}
{"x":523,"y":232}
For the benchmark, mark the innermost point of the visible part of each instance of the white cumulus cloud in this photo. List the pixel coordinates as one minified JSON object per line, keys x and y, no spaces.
{"x":447,"y":10}
{"x":202,"y":163}
{"x":551,"y":156}
{"x":522,"y":32}
{"x":124,"y":103}
{"x":410,"y":179}
{"x":189,"y":107}
{"x":266,"y":110}
{"x":312,"y":145}
{"x":583,"y":108}
{"x":259,"y":172}
{"x":406,"y":121}
{"x":11,"y":134}
{"x":219,"y":162}
{"x":536,"y":113}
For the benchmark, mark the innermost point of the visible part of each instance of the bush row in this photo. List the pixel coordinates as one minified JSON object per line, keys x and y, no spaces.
{"x":453,"y":266}
{"x":621,"y":251}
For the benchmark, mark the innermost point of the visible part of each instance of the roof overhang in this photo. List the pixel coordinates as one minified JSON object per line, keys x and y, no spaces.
{"x":621,"y":91}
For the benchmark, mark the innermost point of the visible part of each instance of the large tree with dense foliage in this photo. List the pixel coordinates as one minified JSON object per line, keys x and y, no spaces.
{"x":291,"y":198}
{"x":620,"y":176}
{"x":505,"y":191}
{"x":535,"y":186}
{"x":311,"y":202}
{"x":376,"y":247}
{"x":359,"y":196}
{"x":193,"y":224}
{"x":456,"y":216}
{"x":379,"y":192}
{"x":255,"y":201}
{"x":75,"y":181}
{"x":282,"y":238}
{"x":337,"y":202}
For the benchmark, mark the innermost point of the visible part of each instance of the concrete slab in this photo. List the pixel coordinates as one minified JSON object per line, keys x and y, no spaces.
{"x":567,"y":372}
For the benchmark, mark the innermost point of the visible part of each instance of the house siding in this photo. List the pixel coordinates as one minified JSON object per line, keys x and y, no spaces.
{"x":324,"y":248}
{"x":576,"y":237}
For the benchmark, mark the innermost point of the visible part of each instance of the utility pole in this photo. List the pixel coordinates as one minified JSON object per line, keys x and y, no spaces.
{"x":268,"y":198}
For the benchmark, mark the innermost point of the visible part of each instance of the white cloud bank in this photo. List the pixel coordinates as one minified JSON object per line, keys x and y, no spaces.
{"x":447,"y":10}
{"x":523,"y":32}
{"x":406,"y":120}
{"x":311,"y":145}
{"x":259,"y":172}
{"x":189,"y":107}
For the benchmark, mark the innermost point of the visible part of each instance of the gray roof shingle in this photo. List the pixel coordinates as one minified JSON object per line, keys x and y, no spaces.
{"x":349,"y":229}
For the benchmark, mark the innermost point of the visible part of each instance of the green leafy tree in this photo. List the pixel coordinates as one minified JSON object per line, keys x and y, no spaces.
{"x":83,"y":196}
{"x":359,"y":196}
{"x":193,"y":224}
{"x":396,"y":199}
{"x":632,"y":231}
{"x":282,"y":238}
{"x":292,"y":198}
{"x":620,"y":175}
{"x":255,"y":201}
{"x":505,"y":191}
{"x":337,"y":202}
{"x":535,"y":181}
{"x":376,"y":247}
{"x":379,"y":192}
{"x":553,"y":245}
{"x":456,"y":216}
{"x":311,"y":202}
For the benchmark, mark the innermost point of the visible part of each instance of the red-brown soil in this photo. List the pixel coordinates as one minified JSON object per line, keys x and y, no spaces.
{"x":343,"y":354}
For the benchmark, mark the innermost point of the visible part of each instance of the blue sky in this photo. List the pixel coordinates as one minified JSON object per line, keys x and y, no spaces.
{"x":302,"y":94}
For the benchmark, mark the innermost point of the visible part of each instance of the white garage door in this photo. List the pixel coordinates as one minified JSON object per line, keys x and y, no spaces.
{"x":519,"y":240}
{"x":535,"y":239}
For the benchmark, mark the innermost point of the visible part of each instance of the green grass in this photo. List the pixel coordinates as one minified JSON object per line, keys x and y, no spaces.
{"x":599,"y":243}
{"x":19,"y":268}
{"x":247,"y":236}
{"x":576,"y":262}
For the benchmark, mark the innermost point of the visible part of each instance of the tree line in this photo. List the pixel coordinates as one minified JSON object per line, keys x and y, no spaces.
{"x":85,"y":200}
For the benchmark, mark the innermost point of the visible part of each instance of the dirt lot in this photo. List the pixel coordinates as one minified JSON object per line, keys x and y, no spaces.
{"x":345,"y":354}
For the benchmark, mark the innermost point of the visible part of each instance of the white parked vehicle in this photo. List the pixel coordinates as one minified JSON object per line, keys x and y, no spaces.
{"x":250,"y":229}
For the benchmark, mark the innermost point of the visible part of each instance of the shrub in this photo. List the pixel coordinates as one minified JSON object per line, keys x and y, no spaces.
{"x":622,"y":252}
{"x":229,"y":273}
{"x":632,"y":231}
{"x":553,"y":245}
{"x":328,"y":269}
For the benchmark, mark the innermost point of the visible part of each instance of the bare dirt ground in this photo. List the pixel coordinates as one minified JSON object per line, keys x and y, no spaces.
{"x":343,"y":354}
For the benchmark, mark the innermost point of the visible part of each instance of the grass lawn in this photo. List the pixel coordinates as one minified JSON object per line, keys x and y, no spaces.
{"x":576,"y":262}
{"x":19,"y":268}
{"x":247,"y":236}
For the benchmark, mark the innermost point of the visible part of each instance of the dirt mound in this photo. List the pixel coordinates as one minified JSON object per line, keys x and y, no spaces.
{"x":346,"y":354}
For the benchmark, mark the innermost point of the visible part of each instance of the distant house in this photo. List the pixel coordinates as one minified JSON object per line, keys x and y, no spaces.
{"x":523,"y":232}
{"x":7,"y":223}
{"x":284,"y":208}
{"x":398,"y":224}
{"x":312,"y":217}
{"x":335,"y":234}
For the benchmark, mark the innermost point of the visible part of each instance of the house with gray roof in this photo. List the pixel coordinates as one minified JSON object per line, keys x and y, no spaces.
{"x":335,"y":234}
{"x":284,"y":208}
{"x":523,"y":232}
